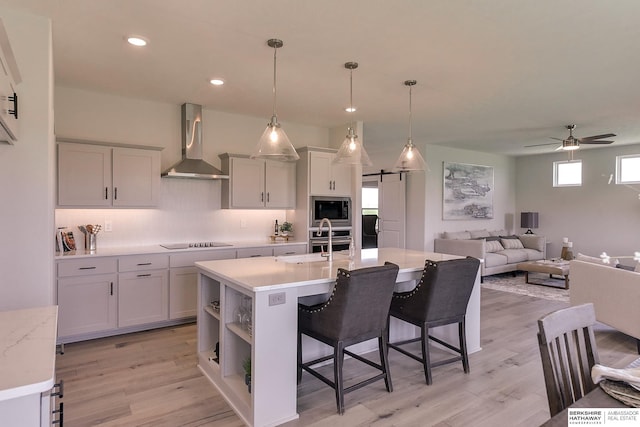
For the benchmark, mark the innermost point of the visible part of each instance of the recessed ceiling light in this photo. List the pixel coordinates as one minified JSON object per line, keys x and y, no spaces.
{"x":137,"y":41}
{"x":350,"y":109}
{"x":216,"y":82}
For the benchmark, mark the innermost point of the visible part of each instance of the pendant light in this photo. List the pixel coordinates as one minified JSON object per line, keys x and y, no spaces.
{"x":274,"y":143}
{"x":352,"y":151}
{"x":410,"y":158}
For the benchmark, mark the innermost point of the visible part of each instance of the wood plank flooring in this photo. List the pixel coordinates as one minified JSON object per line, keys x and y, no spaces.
{"x":151,"y":379}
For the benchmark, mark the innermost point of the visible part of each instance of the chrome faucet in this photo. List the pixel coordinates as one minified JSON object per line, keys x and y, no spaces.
{"x":329,"y":254}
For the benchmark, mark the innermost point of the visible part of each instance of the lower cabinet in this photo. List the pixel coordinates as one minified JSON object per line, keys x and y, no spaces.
{"x":143,"y":297}
{"x":87,"y":304}
{"x":183,"y":292}
{"x":97,"y":296}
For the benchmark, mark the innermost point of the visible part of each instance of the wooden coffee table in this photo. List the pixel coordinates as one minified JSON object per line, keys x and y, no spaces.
{"x":558,"y":268}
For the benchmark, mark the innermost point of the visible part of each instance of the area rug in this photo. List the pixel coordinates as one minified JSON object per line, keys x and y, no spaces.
{"x":505,"y":282}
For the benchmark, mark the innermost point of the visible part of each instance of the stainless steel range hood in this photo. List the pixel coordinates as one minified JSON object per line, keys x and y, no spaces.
{"x":192,"y":165}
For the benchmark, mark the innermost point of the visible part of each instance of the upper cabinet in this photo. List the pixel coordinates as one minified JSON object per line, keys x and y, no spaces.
{"x":9,"y":79}
{"x":91,"y":175}
{"x":257,"y":183}
{"x":326,"y":178}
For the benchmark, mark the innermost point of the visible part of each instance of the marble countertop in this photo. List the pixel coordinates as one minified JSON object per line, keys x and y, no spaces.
{"x":268,"y":273}
{"x":157,"y":249}
{"x":27,"y":351}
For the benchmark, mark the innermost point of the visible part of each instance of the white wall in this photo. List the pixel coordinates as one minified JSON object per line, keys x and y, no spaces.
{"x":27,"y":171}
{"x":189,"y":209}
{"x":596,"y":217}
{"x":424,"y":191}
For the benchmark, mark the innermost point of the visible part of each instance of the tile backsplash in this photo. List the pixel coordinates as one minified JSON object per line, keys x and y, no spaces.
{"x":189,"y":211}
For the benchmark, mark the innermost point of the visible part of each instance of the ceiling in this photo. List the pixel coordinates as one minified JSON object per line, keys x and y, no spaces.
{"x":492,"y":76}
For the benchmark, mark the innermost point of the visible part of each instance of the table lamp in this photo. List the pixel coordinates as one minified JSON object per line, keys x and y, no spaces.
{"x":529,"y":220}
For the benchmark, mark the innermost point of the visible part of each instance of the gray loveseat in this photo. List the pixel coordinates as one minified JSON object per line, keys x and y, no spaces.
{"x":500,"y":252}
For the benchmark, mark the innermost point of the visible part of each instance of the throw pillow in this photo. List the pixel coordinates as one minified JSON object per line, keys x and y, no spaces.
{"x":457,"y":235}
{"x":478,"y":233}
{"x":498,"y":233}
{"x":511,"y":243}
{"x":533,"y":242}
{"x":513,"y":236}
{"x":493,"y":246}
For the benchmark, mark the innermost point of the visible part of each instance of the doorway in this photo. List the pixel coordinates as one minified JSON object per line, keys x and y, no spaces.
{"x":384,"y":204}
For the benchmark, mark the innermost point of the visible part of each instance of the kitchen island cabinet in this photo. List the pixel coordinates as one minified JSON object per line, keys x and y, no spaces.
{"x":96,"y":175}
{"x":27,"y":366}
{"x":272,"y":286}
{"x":257,"y":183}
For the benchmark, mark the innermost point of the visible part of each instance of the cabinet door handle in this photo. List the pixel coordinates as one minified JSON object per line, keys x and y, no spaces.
{"x":115,"y":193}
{"x":14,"y":99}
{"x":262,"y":196}
{"x":60,"y":412}
{"x":267,"y":197}
{"x":111,"y":289}
{"x":87,"y":268}
{"x":106,"y":193}
{"x":144,"y":263}
{"x":254,"y":256}
{"x":289,"y":253}
{"x":144,"y":275}
{"x":60,"y":392}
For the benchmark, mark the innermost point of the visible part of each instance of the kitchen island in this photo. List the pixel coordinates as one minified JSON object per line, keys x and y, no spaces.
{"x":270,"y":288}
{"x":27,"y":365}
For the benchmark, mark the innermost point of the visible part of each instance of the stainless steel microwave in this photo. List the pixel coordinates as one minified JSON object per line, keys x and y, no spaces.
{"x":336,"y":209}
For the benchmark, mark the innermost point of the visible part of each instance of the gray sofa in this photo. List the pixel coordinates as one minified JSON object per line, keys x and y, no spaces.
{"x":500,"y":252}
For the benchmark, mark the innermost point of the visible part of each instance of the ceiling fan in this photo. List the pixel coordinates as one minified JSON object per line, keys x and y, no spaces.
{"x":573,"y":143}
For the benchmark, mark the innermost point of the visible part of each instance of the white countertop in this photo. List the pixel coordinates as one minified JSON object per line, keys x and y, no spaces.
{"x":27,"y":351}
{"x":267,"y":273}
{"x":157,"y":249}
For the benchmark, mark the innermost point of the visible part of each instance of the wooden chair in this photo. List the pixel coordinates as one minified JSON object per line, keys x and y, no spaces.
{"x":568,"y":351}
{"x":356,"y":312}
{"x":440,"y":298}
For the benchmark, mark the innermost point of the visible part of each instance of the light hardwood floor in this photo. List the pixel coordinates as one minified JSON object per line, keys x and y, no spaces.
{"x":151,"y":379}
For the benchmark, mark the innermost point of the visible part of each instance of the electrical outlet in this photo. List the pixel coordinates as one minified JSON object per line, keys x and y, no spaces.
{"x":108,"y":225}
{"x":277,"y":299}
{"x":243,"y":223}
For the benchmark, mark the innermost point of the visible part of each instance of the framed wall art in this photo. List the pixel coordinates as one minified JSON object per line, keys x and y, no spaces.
{"x":467,"y":192}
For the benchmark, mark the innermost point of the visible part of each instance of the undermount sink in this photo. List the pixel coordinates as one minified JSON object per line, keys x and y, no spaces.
{"x":305,"y":258}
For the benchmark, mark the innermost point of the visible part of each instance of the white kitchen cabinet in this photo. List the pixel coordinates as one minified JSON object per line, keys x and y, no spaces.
{"x":9,"y":79}
{"x":255,"y":252}
{"x":87,"y":296}
{"x":91,"y":175}
{"x":143,"y":289}
{"x":326,"y":178}
{"x":289,"y":250}
{"x":183,"y":280}
{"x":257,"y":183}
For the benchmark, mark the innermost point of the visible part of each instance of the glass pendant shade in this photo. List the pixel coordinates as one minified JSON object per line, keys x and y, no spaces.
{"x":274,"y":143}
{"x":352,"y":152}
{"x":410,"y":159}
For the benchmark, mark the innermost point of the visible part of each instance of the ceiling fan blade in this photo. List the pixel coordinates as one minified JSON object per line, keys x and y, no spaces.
{"x":603,"y":136}
{"x":559,"y":148}
{"x":596,"y":142}
{"x":540,"y":145}
{"x":557,"y":139}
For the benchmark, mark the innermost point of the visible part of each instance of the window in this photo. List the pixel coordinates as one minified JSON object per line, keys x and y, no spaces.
{"x":369,"y":200}
{"x":567,"y":173}
{"x":628,"y":169}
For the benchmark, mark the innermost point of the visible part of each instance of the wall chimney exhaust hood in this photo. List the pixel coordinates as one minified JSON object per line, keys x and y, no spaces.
{"x":192,"y":166}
